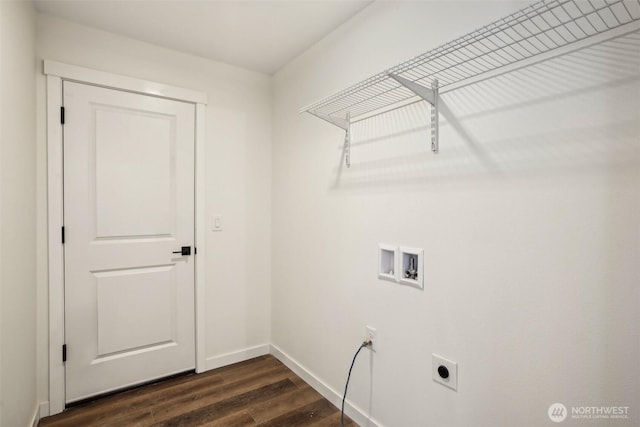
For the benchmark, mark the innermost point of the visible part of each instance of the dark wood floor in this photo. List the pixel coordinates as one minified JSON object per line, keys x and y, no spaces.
{"x":257,"y":392}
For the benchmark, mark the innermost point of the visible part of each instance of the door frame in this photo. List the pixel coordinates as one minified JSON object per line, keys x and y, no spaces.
{"x":56,"y":73}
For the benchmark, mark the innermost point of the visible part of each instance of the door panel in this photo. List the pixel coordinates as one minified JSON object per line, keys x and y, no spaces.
{"x":142,"y":206}
{"x":124,"y":304}
{"x":128,"y":205}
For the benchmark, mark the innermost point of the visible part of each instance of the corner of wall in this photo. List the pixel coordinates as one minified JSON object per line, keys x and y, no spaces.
{"x":17,"y":218}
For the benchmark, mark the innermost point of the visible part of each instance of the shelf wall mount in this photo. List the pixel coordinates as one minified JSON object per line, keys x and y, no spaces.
{"x":344,"y":124}
{"x":428,"y":94}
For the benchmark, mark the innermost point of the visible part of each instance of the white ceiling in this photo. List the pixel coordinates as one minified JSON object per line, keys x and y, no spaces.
{"x":261,"y":35}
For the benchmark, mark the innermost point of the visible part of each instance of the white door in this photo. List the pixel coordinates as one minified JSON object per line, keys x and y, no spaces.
{"x":128,"y":205}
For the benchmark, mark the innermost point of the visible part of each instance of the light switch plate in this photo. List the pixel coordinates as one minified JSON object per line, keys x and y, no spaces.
{"x":450,"y":371}
{"x":216,"y":223}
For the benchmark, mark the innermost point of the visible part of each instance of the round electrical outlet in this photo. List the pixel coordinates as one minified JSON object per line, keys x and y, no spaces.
{"x":443,"y":371}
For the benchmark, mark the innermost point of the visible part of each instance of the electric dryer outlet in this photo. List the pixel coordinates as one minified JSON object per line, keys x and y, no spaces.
{"x":445,"y":371}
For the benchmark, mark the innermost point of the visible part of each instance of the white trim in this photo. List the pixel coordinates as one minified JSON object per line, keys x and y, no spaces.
{"x":101,"y":78}
{"x":200,"y":238}
{"x":56,"y":73}
{"x":35,"y":419}
{"x":215,"y":362}
{"x":56,"y":253}
{"x":43,"y":409}
{"x":354,"y":412}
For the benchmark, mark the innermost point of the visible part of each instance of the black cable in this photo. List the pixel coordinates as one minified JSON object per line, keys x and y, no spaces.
{"x":344,"y":396}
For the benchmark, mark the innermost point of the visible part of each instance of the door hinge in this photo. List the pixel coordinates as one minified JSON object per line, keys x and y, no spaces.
{"x":62,"y":115}
{"x":63,"y":234}
{"x":64,"y":352}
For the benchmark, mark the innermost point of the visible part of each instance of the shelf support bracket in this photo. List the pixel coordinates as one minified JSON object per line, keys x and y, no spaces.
{"x":434,"y":118}
{"x":336,"y":121}
{"x":344,"y":124}
{"x":347,"y":142}
{"x":428,"y":94}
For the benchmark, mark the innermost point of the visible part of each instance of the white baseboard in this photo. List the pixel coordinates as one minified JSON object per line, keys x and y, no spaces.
{"x":44,"y":409}
{"x":35,"y":419}
{"x":354,"y":412}
{"x":236,"y":356}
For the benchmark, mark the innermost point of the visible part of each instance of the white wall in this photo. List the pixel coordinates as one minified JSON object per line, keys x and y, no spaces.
{"x":18,"y":402}
{"x":238,"y":176}
{"x":528,"y":217}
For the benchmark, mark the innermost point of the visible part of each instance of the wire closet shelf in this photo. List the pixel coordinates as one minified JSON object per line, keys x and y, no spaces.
{"x":538,"y":32}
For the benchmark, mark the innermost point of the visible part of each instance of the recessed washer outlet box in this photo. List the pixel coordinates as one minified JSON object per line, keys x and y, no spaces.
{"x":444,"y":371}
{"x":387,"y":262}
{"x":411,"y":265}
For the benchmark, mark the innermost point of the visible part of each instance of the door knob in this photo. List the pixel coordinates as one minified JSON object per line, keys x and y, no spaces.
{"x":184,"y":251}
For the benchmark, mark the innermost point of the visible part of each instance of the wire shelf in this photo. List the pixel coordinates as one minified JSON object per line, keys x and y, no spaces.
{"x":538,"y":31}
